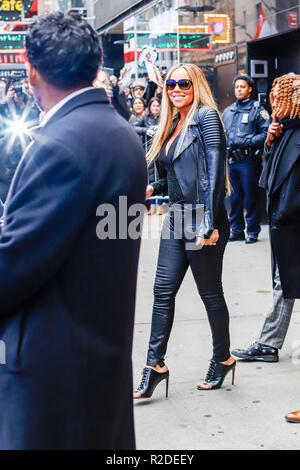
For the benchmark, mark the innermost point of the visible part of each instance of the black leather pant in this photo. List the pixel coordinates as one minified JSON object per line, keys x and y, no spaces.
{"x":206,"y":264}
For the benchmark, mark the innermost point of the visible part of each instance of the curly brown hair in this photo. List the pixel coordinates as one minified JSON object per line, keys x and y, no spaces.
{"x":288,"y":97}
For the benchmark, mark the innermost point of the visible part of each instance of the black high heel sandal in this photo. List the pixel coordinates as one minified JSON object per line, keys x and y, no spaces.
{"x":150,"y":380}
{"x":216,"y":375}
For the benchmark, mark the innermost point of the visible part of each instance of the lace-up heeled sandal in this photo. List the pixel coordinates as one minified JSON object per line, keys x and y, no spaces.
{"x":150,"y":380}
{"x":216,"y":375}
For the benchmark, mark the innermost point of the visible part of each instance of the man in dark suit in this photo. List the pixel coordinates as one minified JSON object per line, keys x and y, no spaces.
{"x":67,"y":297}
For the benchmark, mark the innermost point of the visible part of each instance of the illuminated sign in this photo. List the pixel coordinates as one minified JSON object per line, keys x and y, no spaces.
{"x":7,"y":58}
{"x":218,"y":25}
{"x":293,"y":19}
{"x":11,"y":10}
{"x":12,"y":73}
{"x":225,"y":57}
{"x":12,"y":41}
{"x":169,"y":41}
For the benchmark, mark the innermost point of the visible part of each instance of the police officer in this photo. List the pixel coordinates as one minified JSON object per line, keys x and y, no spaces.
{"x":246,"y":123}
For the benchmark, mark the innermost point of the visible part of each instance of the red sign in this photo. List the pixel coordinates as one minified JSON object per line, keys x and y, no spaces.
{"x":293,"y":19}
{"x":11,"y":58}
{"x":129,"y":56}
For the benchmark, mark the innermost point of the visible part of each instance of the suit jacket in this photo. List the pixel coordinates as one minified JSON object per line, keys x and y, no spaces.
{"x":67,"y":298}
{"x":281,"y":179}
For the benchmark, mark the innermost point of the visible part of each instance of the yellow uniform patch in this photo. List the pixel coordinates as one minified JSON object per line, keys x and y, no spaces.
{"x":265,"y":115}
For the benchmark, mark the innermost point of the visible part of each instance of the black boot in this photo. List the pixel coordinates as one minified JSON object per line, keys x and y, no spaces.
{"x":236,"y":237}
{"x":216,"y":375}
{"x":250,"y":239}
{"x":150,"y":380}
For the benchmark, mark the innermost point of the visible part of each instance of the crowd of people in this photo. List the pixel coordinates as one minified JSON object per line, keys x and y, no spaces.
{"x":67,"y":298}
{"x":140,"y":104}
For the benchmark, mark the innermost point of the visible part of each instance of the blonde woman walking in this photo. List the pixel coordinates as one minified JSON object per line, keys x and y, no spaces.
{"x":189,"y":152}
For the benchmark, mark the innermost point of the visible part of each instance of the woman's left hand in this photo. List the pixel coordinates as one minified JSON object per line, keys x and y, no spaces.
{"x":209,"y":241}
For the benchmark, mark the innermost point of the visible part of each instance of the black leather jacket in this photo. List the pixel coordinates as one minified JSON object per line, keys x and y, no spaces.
{"x":204,"y":143}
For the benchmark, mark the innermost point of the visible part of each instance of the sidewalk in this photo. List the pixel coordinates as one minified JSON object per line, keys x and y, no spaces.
{"x":248,"y":415}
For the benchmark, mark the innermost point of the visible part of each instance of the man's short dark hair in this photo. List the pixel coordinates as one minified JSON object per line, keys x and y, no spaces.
{"x":244,"y":76}
{"x":64,"y":49}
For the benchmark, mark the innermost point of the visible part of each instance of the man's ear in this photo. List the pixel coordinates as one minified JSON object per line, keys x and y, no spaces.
{"x":33,"y":75}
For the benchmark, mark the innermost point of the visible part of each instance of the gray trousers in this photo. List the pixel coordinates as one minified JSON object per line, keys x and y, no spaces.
{"x":275,"y":327}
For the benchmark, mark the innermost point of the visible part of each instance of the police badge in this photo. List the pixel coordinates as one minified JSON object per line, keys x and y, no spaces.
{"x":264,"y":114}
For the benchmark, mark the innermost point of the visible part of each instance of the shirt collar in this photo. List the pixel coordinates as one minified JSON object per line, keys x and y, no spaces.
{"x":246,"y":101}
{"x":61,"y":103}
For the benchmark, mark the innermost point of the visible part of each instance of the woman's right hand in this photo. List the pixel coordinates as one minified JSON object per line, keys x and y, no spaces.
{"x":149,"y":191}
{"x":213,"y":240}
{"x":274,"y":131}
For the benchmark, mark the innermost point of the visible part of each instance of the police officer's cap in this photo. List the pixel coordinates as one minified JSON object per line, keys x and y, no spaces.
{"x":244,"y":76}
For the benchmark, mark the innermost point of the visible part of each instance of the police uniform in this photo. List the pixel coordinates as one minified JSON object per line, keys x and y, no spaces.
{"x":246,"y":123}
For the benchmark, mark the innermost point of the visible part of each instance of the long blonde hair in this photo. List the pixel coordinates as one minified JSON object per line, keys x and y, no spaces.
{"x":202,"y":97}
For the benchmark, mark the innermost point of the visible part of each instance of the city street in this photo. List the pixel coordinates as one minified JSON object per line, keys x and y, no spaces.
{"x":106,"y":105}
{"x":248,"y":415}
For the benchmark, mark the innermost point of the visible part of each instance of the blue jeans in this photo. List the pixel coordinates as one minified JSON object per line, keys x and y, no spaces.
{"x":206,"y":264}
{"x":244,"y":177}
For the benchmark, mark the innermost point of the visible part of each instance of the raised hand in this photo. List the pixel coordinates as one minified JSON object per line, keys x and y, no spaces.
{"x":275,"y":130}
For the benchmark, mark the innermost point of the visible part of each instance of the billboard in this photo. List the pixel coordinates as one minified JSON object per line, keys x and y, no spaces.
{"x":11,"y":10}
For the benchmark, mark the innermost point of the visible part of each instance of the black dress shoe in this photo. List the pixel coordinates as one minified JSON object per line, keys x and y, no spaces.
{"x":237,"y":237}
{"x":257,"y":352}
{"x":250,"y":240}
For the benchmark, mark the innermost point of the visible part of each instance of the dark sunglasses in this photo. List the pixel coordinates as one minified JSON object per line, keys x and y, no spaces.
{"x":184,"y":84}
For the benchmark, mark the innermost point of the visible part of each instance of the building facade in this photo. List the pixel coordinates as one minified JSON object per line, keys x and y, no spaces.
{"x":223,"y":37}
